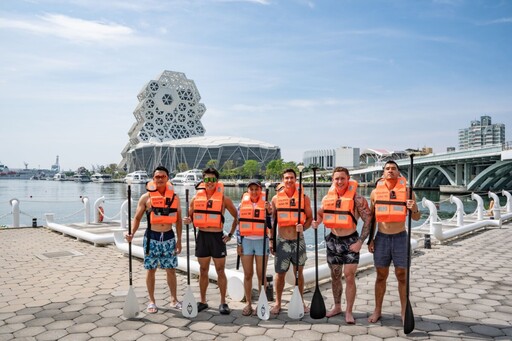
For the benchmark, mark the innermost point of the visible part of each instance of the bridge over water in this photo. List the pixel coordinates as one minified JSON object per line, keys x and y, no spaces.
{"x":472,"y":170}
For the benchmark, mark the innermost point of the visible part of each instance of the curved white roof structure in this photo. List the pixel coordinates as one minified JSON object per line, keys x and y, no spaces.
{"x":168,"y":131}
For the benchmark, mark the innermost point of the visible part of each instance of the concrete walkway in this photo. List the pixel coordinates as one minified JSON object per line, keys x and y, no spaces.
{"x":56,"y":288}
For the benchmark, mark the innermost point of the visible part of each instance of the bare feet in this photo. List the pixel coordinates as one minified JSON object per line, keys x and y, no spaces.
{"x":306,"y":309}
{"x":374,"y":318}
{"x":349,"y":318}
{"x":275,"y":309}
{"x":334,"y":311}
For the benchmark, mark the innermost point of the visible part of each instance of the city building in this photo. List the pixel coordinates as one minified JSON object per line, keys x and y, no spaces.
{"x":481,"y":133}
{"x":168,"y":131}
{"x":347,"y":157}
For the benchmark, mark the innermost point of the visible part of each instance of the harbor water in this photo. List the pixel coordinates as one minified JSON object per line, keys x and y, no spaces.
{"x":64,"y":200}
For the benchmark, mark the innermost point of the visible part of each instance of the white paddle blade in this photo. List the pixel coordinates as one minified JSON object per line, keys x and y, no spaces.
{"x":189,"y":305}
{"x":296,"y":307}
{"x":235,"y":288}
{"x":131,"y":305}
{"x":263,"y":308}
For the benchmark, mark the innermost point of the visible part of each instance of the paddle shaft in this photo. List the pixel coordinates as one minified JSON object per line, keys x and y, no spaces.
{"x":409,"y":315}
{"x":129,"y":233}
{"x":316,"y":230}
{"x":264,"y":239}
{"x":188,"y":240}
{"x":298,"y":233}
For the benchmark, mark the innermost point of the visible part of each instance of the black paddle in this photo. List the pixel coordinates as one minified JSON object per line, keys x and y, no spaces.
{"x":131,"y":305}
{"x":189,"y":305}
{"x":317,"y":310}
{"x":409,"y":315}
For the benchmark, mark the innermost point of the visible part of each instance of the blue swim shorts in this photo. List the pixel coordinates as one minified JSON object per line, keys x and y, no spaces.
{"x":161,"y":250}
{"x":254,"y":247}
{"x":390,"y":247}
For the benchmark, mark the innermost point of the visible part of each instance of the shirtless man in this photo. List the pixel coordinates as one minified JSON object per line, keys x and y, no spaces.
{"x":284,"y":208}
{"x":161,"y":245}
{"x":391,"y":206}
{"x":341,"y":208}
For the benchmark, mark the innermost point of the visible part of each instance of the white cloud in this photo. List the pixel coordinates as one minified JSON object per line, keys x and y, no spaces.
{"x":72,"y":29}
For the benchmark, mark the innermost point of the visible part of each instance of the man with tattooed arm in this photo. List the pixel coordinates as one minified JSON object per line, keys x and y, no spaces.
{"x":340,"y":210}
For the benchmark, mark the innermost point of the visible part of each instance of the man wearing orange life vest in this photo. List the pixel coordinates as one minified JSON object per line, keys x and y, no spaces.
{"x":284,"y":207}
{"x":340,"y":210}
{"x":391,"y":206}
{"x":252,"y":217}
{"x":206,"y":212}
{"x":161,"y":246}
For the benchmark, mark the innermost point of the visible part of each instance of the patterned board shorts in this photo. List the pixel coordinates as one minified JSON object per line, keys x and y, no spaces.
{"x":286,"y":253}
{"x":338,"y":249}
{"x":161,"y":251}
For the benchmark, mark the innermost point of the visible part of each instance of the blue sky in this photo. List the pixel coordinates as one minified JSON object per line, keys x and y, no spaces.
{"x":300,"y":74}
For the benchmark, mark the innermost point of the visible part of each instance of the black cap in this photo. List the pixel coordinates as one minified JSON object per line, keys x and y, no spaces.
{"x":254,"y":182}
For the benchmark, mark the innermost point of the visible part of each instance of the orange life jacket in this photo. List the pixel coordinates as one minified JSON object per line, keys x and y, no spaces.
{"x":287,"y":207}
{"x":164,"y":209}
{"x":252,"y":218}
{"x":208,"y":212}
{"x":339,"y":211}
{"x":390,"y":205}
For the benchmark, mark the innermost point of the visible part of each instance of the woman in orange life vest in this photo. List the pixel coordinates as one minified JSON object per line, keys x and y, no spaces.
{"x":391,"y":206}
{"x":253,"y":213}
{"x":162,"y":206}
{"x":340,"y":210}
{"x":206,"y":212}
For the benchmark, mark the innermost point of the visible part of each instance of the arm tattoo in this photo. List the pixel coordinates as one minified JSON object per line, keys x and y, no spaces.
{"x":365,"y":214}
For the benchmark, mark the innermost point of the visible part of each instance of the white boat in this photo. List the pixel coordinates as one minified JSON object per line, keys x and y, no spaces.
{"x":137,"y":177}
{"x":81,"y":178}
{"x":189,"y":178}
{"x":59,"y":177}
{"x":101,"y":178}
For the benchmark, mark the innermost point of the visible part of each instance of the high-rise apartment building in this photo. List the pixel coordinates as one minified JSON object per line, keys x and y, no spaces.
{"x":481,"y":133}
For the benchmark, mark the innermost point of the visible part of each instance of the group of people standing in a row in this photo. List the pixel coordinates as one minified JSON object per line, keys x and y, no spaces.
{"x":256,"y":216}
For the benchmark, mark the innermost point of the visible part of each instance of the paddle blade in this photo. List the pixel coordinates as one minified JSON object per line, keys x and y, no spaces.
{"x":317,"y":310}
{"x":131,"y":305}
{"x":189,"y":305}
{"x":263,"y":308}
{"x":235,"y":288}
{"x":409,"y":318}
{"x":296,"y":307}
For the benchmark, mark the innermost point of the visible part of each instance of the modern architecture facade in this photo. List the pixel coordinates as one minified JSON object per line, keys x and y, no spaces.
{"x":481,"y":133}
{"x":168,"y":131}
{"x":347,"y":157}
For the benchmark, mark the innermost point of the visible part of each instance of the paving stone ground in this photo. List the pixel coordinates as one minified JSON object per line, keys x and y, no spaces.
{"x":57,"y":288}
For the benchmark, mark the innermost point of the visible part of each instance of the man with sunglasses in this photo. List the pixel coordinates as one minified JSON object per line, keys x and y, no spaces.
{"x":161,"y":245}
{"x":391,"y":206}
{"x":341,"y":209}
{"x":206,"y":212}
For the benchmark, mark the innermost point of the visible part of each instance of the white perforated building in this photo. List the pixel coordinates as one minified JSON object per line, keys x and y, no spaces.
{"x":168,"y":131}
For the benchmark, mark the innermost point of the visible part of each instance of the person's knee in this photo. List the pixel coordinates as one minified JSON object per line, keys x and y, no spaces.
{"x":401,"y":274}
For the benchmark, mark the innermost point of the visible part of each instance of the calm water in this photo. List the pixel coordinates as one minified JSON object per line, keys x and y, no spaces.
{"x":64,"y":199}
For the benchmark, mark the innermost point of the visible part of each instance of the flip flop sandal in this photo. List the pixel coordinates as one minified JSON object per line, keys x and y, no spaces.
{"x":152,"y":308}
{"x":201,"y":306}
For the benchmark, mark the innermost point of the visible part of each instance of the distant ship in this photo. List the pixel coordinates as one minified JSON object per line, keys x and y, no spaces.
{"x":26,"y":173}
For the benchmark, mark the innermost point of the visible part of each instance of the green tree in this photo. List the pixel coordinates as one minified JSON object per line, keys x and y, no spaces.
{"x":251,"y":168}
{"x":274,"y":169}
{"x":183,"y":166}
{"x":227,"y":170}
{"x":212,"y":164}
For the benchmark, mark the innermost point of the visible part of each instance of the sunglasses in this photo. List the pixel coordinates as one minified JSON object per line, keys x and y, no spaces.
{"x":160,"y":176}
{"x":207,"y":180}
